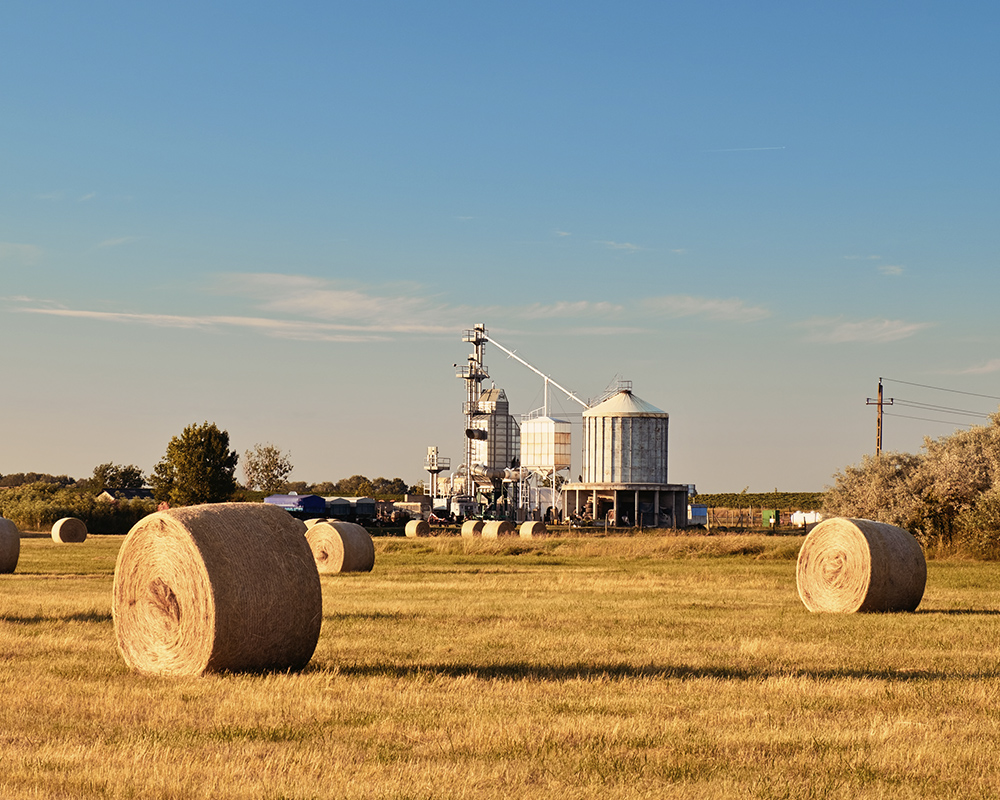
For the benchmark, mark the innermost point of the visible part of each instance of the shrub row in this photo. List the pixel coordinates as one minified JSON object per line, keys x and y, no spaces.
{"x":37,"y":506}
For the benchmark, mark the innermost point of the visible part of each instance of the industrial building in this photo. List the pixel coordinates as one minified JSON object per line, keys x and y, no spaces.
{"x":510,"y":469}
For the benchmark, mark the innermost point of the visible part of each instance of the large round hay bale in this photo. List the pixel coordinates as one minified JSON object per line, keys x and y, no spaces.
{"x":341,"y":547}
{"x":310,"y":522}
{"x":472,"y":527}
{"x":69,"y":529}
{"x":531,"y":529}
{"x":418,"y":527}
{"x":10,"y":546}
{"x":497,"y":528}
{"x":228,"y":587}
{"x":849,"y":565}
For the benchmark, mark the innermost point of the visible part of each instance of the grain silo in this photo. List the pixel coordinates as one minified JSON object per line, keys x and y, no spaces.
{"x":624,"y":469}
{"x":546,"y":443}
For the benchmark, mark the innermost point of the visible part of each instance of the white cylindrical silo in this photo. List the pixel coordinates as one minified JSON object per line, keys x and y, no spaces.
{"x":625,"y":441}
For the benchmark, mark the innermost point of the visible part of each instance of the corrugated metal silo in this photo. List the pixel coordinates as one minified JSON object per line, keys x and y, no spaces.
{"x":625,"y":441}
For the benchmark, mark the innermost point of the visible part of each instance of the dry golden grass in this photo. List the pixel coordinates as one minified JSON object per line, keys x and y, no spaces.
{"x":629,"y":667}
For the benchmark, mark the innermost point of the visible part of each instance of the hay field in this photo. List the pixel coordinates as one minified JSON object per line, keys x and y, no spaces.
{"x":648,"y":666}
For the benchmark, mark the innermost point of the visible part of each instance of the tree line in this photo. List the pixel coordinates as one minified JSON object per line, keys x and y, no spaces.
{"x":781,"y":501}
{"x":198,"y":467}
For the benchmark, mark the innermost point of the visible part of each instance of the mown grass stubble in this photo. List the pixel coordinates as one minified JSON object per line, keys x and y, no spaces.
{"x":635,"y":667}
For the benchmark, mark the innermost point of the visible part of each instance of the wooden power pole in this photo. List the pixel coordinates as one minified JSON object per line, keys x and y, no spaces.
{"x":878,"y":416}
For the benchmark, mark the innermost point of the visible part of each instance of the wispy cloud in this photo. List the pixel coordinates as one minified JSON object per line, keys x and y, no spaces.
{"x":840,"y":331}
{"x":626,"y":246}
{"x":301,"y":330}
{"x":561,"y":233}
{"x":862,"y":258}
{"x":399,"y":304}
{"x":317,"y":309}
{"x":891,"y":269}
{"x":684,"y":305}
{"x":563,"y":309}
{"x":24,"y":254}
{"x":89,"y":196}
{"x":983,"y":369}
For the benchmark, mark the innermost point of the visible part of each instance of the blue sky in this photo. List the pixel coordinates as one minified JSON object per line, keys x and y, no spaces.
{"x":281,"y":217}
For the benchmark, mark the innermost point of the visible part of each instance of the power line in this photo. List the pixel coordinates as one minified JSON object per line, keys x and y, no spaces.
{"x":942,"y":409}
{"x":942,"y":389}
{"x":926,"y":419}
{"x":881,"y":402}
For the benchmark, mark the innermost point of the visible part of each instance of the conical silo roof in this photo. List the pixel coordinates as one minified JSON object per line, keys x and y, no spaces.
{"x":625,"y":404}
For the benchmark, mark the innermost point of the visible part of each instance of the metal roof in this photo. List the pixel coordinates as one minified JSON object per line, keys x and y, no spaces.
{"x":624,"y":404}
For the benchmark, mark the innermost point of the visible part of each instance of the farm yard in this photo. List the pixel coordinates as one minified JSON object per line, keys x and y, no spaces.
{"x":655,"y":665}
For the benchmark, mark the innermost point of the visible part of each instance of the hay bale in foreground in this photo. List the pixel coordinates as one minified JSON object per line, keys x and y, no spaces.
{"x":69,"y":530}
{"x":531,"y":529}
{"x":850,"y":565}
{"x":497,"y":528}
{"x":472,"y":527}
{"x":216,"y":588}
{"x":10,"y":546}
{"x":341,"y":547}
{"x":418,"y":527}
{"x":310,"y":522}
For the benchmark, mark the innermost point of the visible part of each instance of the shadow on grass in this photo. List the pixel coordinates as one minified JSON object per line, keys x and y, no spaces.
{"x":961,"y":612}
{"x":35,"y":619}
{"x":567,"y":672}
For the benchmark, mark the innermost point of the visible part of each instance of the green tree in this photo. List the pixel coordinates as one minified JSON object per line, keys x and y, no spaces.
{"x":266,"y":468}
{"x":386,"y":488}
{"x":355,"y":486}
{"x":198,"y":467}
{"x":113,"y":476}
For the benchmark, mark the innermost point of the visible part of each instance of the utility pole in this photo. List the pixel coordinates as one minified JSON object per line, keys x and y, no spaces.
{"x":878,"y":417}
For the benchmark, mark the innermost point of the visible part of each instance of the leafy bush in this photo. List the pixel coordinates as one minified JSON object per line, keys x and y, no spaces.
{"x":947,"y":495}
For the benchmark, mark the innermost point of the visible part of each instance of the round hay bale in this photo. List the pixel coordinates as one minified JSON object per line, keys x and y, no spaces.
{"x":69,"y":529}
{"x":850,"y":565}
{"x":310,"y":522}
{"x":341,"y":547}
{"x":531,"y":529}
{"x":472,"y":527}
{"x":497,"y":528}
{"x":418,"y":527}
{"x":227,"y":587}
{"x":10,"y":546}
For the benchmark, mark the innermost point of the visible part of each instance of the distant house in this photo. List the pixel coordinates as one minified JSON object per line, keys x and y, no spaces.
{"x":114,"y":495}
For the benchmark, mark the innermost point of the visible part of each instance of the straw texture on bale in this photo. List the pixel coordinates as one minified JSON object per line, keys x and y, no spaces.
{"x":227,"y":587}
{"x":418,"y":527}
{"x":69,"y":529}
{"x":472,"y":527}
{"x":496,"y":528}
{"x":531,"y":529}
{"x":311,"y":522}
{"x":10,"y":546}
{"x":851,"y":565}
{"x":341,"y":547}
